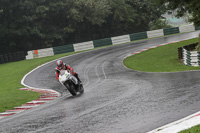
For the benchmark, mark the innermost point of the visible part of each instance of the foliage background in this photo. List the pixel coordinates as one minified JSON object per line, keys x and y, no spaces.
{"x":35,"y":24}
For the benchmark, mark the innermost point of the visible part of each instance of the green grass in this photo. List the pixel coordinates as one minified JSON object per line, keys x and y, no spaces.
{"x":195,"y":129}
{"x":160,"y":59}
{"x":10,"y":82}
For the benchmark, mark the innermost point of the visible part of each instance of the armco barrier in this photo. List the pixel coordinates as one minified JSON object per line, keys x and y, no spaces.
{"x":30,"y":55}
{"x":45,"y":52}
{"x":138,"y":36}
{"x":120,"y":39}
{"x":110,"y":41}
{"x":155,"y":33}
{"x":169,"y":31}
{"x":63,"y":49}
{"x":83,"y":46}
{"x":197,"y":28}
{"x":186,"y":28}
{"x":102,"y":42}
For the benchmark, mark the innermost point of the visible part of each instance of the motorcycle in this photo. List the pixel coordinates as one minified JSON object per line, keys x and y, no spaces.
{"x":70,"y":82}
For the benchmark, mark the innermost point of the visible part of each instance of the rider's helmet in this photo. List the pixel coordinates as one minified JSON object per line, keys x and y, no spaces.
{"x":59,"y":64}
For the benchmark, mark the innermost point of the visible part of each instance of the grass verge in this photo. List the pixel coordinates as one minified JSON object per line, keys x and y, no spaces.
{"x":160,"y":59}
{"x":195,"y":129}
{"x":10,"y":79}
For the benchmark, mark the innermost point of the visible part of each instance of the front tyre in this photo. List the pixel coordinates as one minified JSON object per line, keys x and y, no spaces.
{"x":71,"y":89}
{"x":81,"y":89}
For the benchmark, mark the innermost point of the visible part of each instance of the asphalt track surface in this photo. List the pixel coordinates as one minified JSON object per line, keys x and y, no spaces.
{"x":116,"y":99}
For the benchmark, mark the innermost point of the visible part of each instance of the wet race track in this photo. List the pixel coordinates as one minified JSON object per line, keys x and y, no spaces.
{"x":116,"y":99}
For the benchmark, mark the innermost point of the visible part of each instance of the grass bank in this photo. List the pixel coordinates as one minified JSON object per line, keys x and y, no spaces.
{"x":160,"y":59}
{"x":10,"y":82}
{"x":195,"y":129}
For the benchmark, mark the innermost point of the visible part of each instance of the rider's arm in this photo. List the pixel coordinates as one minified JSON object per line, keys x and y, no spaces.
{"x":57,"y":75}
{"x":69,"y":68}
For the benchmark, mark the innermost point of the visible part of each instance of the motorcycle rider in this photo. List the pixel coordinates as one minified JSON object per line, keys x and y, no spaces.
{"x":63,"y":66}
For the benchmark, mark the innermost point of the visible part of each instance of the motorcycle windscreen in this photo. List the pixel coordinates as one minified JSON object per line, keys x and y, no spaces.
{"x":62,"y":72}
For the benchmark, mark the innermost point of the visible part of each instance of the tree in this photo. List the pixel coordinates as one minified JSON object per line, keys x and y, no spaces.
{"x":159,"y":24}
{"x":198,"y":45}
{"x":86,"y":16}
{"x":182,"y":8}
{"x":35,"y":24}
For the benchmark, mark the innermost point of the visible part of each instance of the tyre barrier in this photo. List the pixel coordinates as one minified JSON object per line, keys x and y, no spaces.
{"x":12,"y":57}
{"x":188,"y":57}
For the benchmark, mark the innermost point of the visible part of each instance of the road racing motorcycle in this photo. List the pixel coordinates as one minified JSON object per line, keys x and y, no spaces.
{"x":70,"y":82}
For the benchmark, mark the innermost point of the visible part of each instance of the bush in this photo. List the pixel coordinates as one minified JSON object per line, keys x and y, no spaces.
{"x":198,"y":46}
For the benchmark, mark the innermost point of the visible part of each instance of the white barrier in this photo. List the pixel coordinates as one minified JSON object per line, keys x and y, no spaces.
{"x":185,"y":56}
{"x":30,"y":55}
{"x":155,"y":33}
{"x":120,"y":39}
{"x":45,"y":52}
{"x":115,"y":40}
{"x":194,"y":58}
{"x":190,"y":58}
{"x":186,"y":28}
{"x":83,"y":46}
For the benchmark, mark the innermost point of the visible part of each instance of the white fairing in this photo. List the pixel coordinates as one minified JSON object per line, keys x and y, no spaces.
{"x":65,"y":75}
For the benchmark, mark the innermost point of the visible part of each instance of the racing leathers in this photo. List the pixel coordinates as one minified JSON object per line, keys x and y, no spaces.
{"x":66,"y":67}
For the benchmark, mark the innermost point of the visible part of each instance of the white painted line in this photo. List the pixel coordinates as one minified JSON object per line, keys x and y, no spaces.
{"x":36,"y":102}
{"x":144,"y":49}
{"x":5,"y":113}
{"x":179,"y":125}
{"x":153,"y":47}
{"x":24,"y":107}
{"x":18,"y":111}
{"x":48,"y":97}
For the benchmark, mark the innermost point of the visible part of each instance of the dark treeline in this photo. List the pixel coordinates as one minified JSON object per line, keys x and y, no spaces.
{"x":34,"y":24}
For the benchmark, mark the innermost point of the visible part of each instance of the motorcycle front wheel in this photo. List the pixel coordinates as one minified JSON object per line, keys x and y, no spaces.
{"x":71,"y":89}
{"x":81,"y":89}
